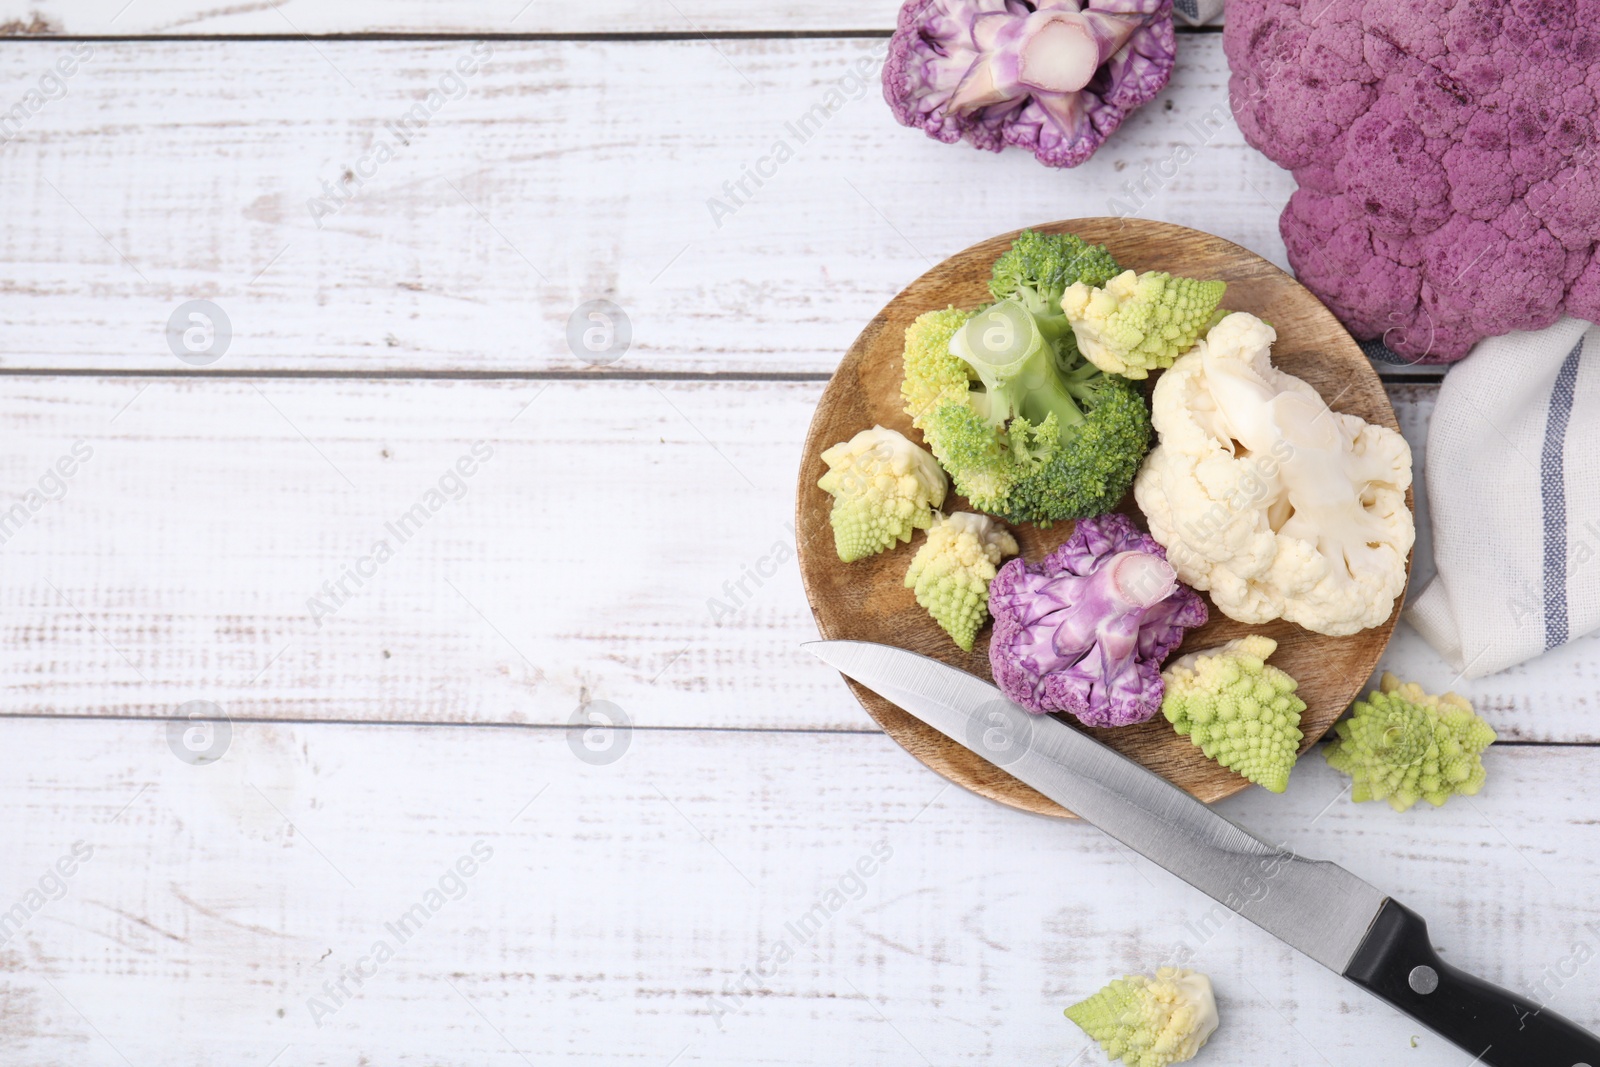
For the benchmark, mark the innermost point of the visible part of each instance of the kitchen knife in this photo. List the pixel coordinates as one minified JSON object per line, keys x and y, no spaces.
{"x":1319,"y":908}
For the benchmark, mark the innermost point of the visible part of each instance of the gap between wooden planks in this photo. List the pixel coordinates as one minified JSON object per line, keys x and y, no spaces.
{"x":219,"y":899}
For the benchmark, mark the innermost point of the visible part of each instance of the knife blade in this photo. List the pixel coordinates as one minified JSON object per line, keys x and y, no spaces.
{"x":1318,"y":907}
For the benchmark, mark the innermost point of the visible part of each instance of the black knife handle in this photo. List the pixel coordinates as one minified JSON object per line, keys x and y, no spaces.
{"x":1399,"y":964}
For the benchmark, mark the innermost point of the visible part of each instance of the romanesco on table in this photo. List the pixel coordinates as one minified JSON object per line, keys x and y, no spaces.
{"x":883,"y":487}
{"x":1150,"y":1022}
{"x":1404,"y":745}
{"x":952,"y":570}
{"x":1138,"y":323}
{"x":1240,"y":711}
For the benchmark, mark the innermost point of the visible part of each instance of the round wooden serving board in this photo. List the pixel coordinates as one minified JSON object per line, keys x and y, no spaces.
{"x":867,"y":600}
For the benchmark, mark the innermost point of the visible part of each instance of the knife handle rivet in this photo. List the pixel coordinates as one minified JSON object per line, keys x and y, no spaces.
{"x":1423,"y":979}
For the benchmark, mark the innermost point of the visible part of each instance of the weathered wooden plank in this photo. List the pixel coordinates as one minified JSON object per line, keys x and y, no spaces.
{"x":612,"y":912}
{"x":627,"y":541}
{"x":121,"y":18}
{"x":562,"y":172}
{"x":192,"y":18}
{"x":199,"y":17}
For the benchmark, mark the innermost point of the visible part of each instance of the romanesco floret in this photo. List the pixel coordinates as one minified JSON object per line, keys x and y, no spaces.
{"x":952,"y":570}
{"x":1138,"y":323}
{"x":1150,"y":1022}
{"x":883,"y":487}
{"x":1240,"y":711}
{"x":1404,"y":745}
{"x":1028,"y":429}
{"x":933,"y":376}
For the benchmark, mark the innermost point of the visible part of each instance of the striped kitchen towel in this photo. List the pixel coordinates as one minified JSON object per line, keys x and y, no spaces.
{"x":1513,"y":478}
{"x":1197,"y":12}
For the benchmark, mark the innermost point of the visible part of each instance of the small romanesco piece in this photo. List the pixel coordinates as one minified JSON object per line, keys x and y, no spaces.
{"x":1240,"y":711}
{"x":883,"y":487}
{"x":1150,"y":1022}
{"x":1138,"y":323}
{"x":952,"y":570}
{"x":1403,"y":745}
{"x":933,"y":376}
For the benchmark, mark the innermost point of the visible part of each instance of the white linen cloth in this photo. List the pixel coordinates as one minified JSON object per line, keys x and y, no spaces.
{"x":1513,"y":482}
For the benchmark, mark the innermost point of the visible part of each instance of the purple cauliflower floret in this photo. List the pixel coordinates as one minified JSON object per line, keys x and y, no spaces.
{"x":1056,"y":77}
{"x":1445,"y":155}
{"x":1086,"y":630}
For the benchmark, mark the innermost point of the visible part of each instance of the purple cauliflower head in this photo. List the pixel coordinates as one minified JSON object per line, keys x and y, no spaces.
{"x":1445,"y":156}
{"x":1056,"y":77}
{"x":1086,"y":630}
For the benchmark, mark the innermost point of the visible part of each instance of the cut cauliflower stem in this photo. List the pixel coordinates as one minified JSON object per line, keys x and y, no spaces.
{"x":1265,"y":496}
{"x":1240,"y":711}
{"x":1151,"y":1022}
{"x":952,"y":570}
{"x":1140,"y":322}
{"x":1404,"y":745}
{"x":883,"y":487}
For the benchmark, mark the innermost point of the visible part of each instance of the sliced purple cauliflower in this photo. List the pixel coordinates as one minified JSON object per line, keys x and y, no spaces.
{"x":1056,"y":77}
{"x":1445,"y":153}
{"x":1086,"y":630}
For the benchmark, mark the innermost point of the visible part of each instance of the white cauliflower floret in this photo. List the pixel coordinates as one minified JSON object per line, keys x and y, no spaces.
{"x":1262,"y":494}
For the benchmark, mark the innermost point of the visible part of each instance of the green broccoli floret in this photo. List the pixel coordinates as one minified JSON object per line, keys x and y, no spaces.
{"x":1403,"y":745}
{"x":883,"y":487}
{"x":1042,"y":265}
{"x":1150,"y":1022}
{"x":1027,"y":429}
{"x":1090,"y":470}
{"x":1138,"y":323}
{"x":1237,"y":709}
{"x":952,"y":570}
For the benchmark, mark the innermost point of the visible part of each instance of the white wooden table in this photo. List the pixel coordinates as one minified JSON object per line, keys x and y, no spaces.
{"x":643,"y":910}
